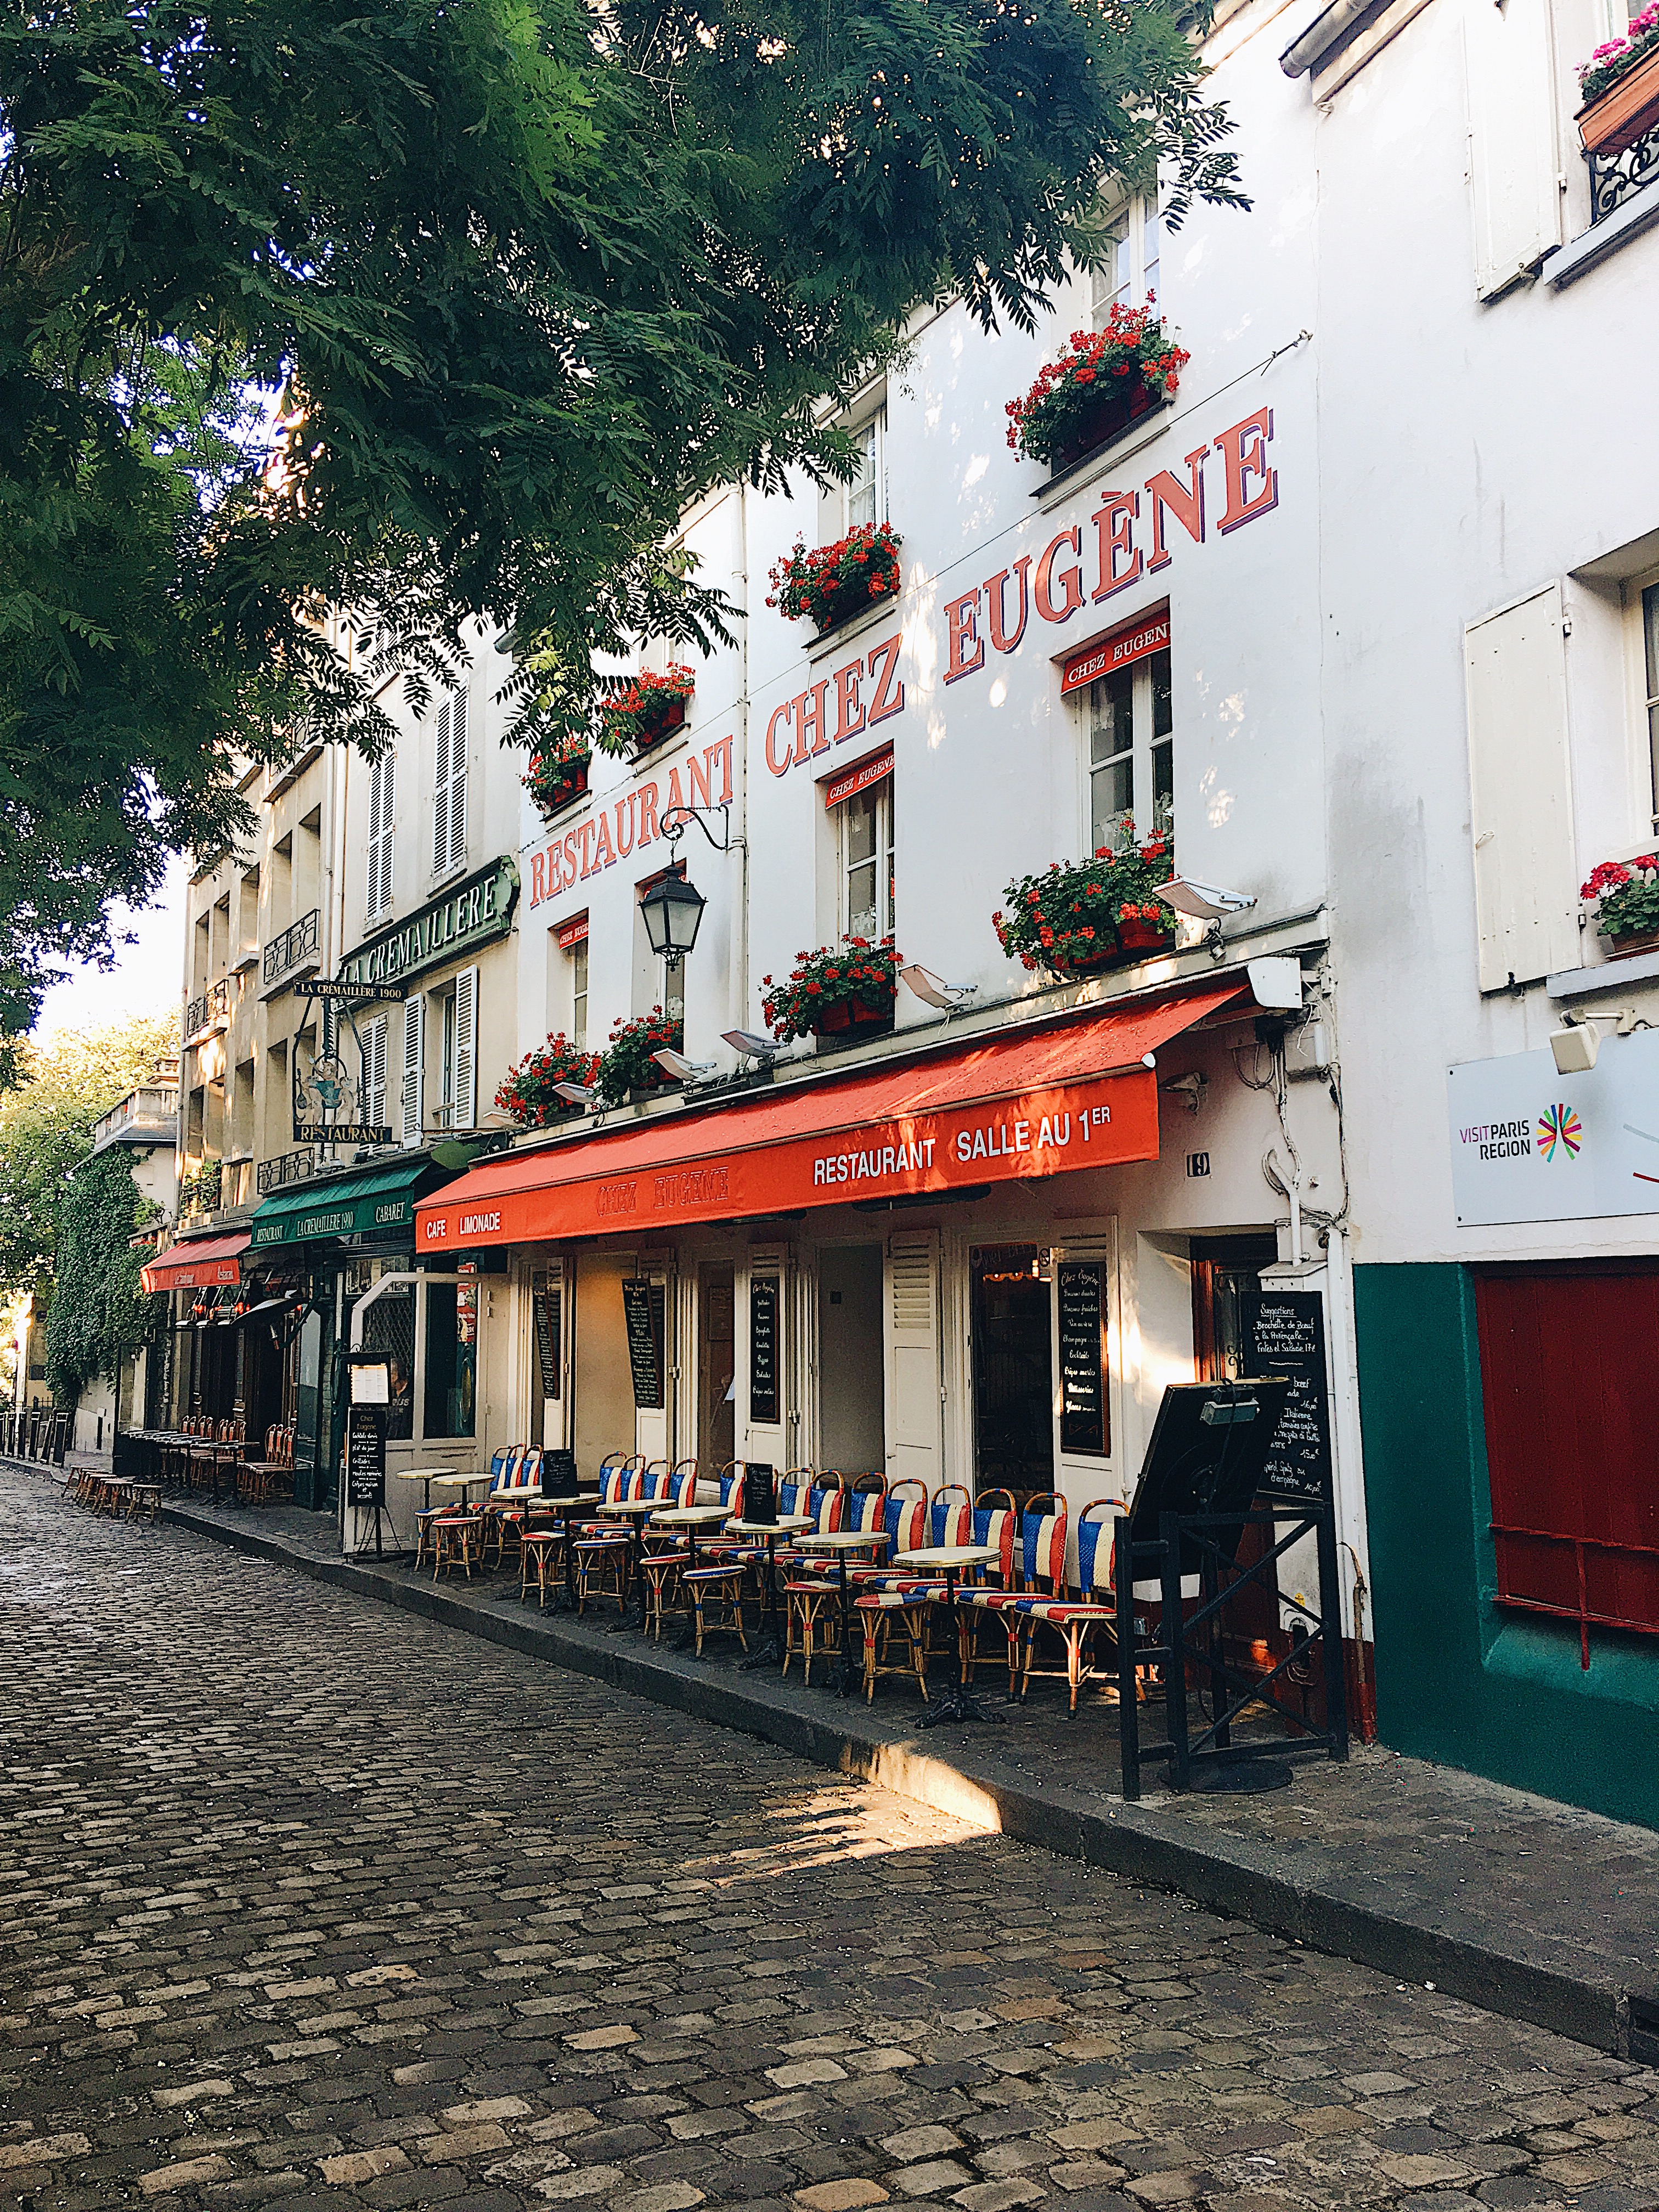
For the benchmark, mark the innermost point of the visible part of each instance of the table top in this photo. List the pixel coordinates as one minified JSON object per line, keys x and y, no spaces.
{"x":459,"y":1481}
{"x":424,"y":1473}
{"x":633,"y":1505}
{"x":690,"y":1516}
{"x":950,"y":1555}
{"x":574,"y":1498}
{"x":843,"y":1540}
{"x":785,"y":1524}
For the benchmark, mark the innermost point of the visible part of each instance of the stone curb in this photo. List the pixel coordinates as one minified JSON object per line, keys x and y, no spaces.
{"x":1229,"y":1875}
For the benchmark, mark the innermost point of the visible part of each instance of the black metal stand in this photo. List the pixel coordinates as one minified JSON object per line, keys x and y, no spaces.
{"x":960,"y":1703}
{"x":769,"y":1652}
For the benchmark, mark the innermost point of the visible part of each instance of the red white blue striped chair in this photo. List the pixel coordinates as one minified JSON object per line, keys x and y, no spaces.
{"x":1075,"y":1618}
{"x":603,"y":1549}
{"x":1039,"y":1571}
{"x":812,"y":1592}
{"x":717,"y":1585}
{"x":665,"y":1549}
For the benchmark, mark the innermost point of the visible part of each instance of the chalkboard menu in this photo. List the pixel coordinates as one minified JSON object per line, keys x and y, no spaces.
{"x":763,"y":1407}
{"x":1285,"y":1334}
{"x":547,"y":1340}
{"x":760,"y":1493}
{"x":365,"y":1454}
{"x":1084,"y":1423}
{"x":559,"y":1477}
{"x":644,"y":1308}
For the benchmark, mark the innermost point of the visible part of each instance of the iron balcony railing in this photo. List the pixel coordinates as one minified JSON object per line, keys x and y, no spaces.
{"x":213,"y":1003}
{"x":286,"y":1168}
{"x":296,"y":948}
{"x":1615,"y":178}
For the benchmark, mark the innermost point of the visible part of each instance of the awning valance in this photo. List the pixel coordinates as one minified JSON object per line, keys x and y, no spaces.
{"x":205,"y":1264}
{"x":1080,"y":1093}
{"x":380,"y":1200}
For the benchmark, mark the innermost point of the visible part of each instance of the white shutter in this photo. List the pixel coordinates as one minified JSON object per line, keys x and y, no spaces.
{"x":374,"y":1071}
{"x":463,"y":1109}
{"x":915,"y":1424}
{"x":413,"y":1040}
{"x":1513,"y":159}
{"x":440,"y":795}
{"x":458,"y":781}
{"x":1521,"y":811}
{"x":380,"y":791}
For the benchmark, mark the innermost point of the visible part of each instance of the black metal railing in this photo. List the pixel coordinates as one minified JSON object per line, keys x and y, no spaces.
{"x":293,"y":947}
{"x":36,"y":1432}
{"x":286,"y":1168}
{"x":214,"y":1002}
{"x":1615,"y":177}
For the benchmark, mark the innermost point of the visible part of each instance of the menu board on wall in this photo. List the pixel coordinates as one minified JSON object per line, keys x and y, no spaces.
{"x":1084,"y":1423}
{"x":643,"y":1304}
{"x":763,"y":1407}
{"x":1285,"y":1334}
{"x":365,"y":1456}
{"x":547,"y":1339}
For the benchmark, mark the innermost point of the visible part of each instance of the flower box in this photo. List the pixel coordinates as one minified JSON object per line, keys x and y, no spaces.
{"x":1108,"y":419}
{"x":1626,"y":108}
{"x":830,"y":585}
{"x":853,"y":1014}
{"x":834,"y":991}
{"x":1136,"y":934}
{"x":644,"y":712}
{"x":1078,"y":918}
{"x":671,"y":718}
{"x":1627,"y":948}
{"x":554,"y":797}
{"x":1626,"y":898}
{"x":1102,"y":384}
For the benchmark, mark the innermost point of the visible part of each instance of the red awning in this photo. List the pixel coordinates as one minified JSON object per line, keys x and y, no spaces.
{"x":202,"y":1265}
{"x":1077,"y":1094}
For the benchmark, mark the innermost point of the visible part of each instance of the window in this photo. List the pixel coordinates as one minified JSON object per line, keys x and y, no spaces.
{"x":578,"y":958}
{"x":380,"y":824}
{"x":456,"y":1012}
{"x":374,"y":1040}
{"x":451,"y":1357}
{"x":1650,"y":684}
{"x":1128,"y":276}
{"x":1131,"y":751}
{"x":866,"y":863}
{"x":449,"y":790}
{"x":863,"y":501}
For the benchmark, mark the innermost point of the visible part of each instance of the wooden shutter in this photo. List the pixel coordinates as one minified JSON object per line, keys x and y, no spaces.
{"x":381,"y":795}
{"x":1526,"y":894}
{"x":1513,"y":160}
{"x":374,"y":1070}
{"x":413,"y":1040}
{"x":914,"y":1423}
{"x":440,"y":795}
{"x":463,"y":1104}
{"x":449,"y":786}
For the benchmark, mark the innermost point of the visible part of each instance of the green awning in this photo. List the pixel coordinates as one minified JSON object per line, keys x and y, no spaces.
{"x":379,"y":1200}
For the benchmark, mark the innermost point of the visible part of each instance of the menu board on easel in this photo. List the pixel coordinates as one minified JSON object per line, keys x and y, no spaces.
{"x":764,"y":1405}
{"x":643,"y":1304}
{"x":1285,"y":1334}
{"x":1081,"y":1289}
{"x":365,"y":1456}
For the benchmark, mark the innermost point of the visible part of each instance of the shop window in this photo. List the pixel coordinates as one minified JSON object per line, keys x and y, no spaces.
{"x":1128,"y":277}
{"x":578,"y":958}
{"x":450,"y":1406}
{"x":1131,"y":751}
{"x":381,"y":777}
{"x":389,"y":1331}
{"x":449,"y":787}
{"x":865,"y":830}
{"x":1570,"y":1384}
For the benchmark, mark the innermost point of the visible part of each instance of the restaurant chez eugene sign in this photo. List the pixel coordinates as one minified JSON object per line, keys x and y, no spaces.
{"x":1128,"y":538}
{"x":476,"y":911}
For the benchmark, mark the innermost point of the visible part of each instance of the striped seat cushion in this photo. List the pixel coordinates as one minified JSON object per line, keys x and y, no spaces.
{"x":1061,"y":1610}
{"x":730,"y":1573}
{"x":896,"y":1601}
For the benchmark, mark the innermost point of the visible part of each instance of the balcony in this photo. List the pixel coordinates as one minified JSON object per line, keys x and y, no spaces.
{"x":146,"y":1117}
{"x":285,"y":1169}
{"x":199,"y":1193}
{"x":209,"y":1012}
{"x":294,"y":953}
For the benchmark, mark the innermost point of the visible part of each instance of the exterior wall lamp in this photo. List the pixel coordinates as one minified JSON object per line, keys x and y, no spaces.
{"x":673,"y":907}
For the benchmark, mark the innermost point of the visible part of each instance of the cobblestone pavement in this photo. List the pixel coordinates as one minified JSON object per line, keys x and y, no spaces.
{"x":313,"y":1903}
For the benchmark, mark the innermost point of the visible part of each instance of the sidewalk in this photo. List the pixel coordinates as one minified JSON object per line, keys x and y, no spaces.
{"x":1531,"y":1908}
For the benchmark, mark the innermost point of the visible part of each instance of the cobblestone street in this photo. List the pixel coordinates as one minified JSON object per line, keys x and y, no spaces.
{"x":311,"y":1902}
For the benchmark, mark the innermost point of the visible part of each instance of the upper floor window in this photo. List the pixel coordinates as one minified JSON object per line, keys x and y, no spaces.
{"x":865,"y":830}
{"x":380,"y":822}
{"x":1128,"y":277}
{"x":1131,"y":750}
{"x":449,"y":790}
{"x":863,"y":501}
{"x":578,"y":995}
{"x":1650,"y":686}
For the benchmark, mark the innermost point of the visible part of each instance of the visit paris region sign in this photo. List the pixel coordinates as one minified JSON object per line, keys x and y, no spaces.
{"x":1528,"y":1145}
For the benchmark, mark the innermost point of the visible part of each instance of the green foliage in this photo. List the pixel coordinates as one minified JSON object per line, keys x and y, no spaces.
{"x":45,"y":1127}
{"x":531,"y":276}
{"x":99,"y":1308}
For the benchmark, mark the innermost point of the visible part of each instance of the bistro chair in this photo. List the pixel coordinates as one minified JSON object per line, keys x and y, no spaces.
{"x":812,"y":1592}
{"x":1075,"y":1619}
{"x":604,"y":1548}
{"x":458,"y":1540}
{"x":664,"y":1550}
{"x":717,"y":1584}
{"x":503,"y":1515}
{"x":1038,"y":1570}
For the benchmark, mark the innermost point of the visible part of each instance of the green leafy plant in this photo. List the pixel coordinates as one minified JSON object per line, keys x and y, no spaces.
{"x":831,"y":582}
{"x":558,"y":772}
{"x":1068,"y":918}
{"x":527,"y":1093}
{"x":99,"y":1308}
{"x":1626,"y":894}
{"x":626,"y":1064}
{"x":637,"y":716}
{"x":854,"y":972}
{"x":1132,"y":356}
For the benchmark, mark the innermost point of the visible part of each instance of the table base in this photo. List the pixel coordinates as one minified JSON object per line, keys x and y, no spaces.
{"x":957,"y":1705}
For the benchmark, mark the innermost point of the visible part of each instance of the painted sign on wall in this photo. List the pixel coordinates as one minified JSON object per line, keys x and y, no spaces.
{"x":630,"y":820}
{"x":1528,"y":1145}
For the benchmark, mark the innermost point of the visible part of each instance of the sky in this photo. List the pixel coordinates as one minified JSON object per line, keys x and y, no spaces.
{"x":148,"y":973}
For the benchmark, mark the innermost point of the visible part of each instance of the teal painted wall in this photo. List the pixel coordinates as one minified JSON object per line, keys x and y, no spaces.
{"x":1458,"y":1679}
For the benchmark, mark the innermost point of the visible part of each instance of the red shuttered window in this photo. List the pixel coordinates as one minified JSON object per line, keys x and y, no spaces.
{"x":1569,"y":1377}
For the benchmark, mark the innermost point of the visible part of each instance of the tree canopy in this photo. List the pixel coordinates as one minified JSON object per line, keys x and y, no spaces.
{"x":529,"y":276}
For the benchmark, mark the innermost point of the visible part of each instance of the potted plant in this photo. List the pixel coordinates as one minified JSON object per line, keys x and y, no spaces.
{"x":526,"y":1092}
{"x":830,"y":585}
{"x":625,"y":1068}
{"x":838,"y":989}
{"x":558,"y":773}
{"x":1104,"y":381}
{"x":1626,"y":894}
{"x":647,"y":710}
{"x":1076,"y":919}
{"x":1621,"y":86}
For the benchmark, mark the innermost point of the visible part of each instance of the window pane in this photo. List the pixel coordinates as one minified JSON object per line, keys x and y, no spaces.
{"x":1148,"y":251}
{"x":861,"y":901}
{"x":891,"y":917}
{"x":1111,"y":796}
{"x":858,"y":825}
{"x":1650,"y":635}
{"x":452,"y":1353}
{"x":389,"y":1329}
{"x":1111,"y":716}
{"x":1163,"y":811}
{"x":1163,"y":709}
{"x":861,"y":492}
{"x":1111,"y":278}
{"x":578,"y":995}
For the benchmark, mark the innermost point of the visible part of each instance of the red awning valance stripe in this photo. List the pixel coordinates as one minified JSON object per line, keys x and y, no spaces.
{"x":859,"y":777}
{"x":203,"y":1264}
{"x":1096,"y":657}
{"x":1077,"y":1094}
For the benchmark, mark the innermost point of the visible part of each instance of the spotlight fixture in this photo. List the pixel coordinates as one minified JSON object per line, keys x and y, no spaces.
{"x":933,"y":990}
{"x":575,"y":1094}
{"x":1202,"y":901}
{"x":1574,"y":1044}
{"x":753,"y":1046}
{"x":675,"y":1064}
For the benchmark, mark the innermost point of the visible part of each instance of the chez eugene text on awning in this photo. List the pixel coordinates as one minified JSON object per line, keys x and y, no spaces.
{"x":1074,"y":1096}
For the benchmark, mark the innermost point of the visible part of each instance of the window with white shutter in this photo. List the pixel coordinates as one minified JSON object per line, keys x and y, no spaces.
{"x":414,"y":1044}
{"x":1514,"y":167}
{"x":914,"y":1418}
{"x":374,"y":1042}
{"x":380,"y":824}
{"x":463,"y":1086}
{"x":449,"y":790}
{"x":1521,"y":811}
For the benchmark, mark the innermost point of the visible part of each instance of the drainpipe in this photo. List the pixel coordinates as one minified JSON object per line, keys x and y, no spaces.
{"x":738,"y":999}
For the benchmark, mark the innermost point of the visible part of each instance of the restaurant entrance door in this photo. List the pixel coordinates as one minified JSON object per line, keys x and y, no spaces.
{"x":717,"y":1365}
{"x":1013,"y":1369}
